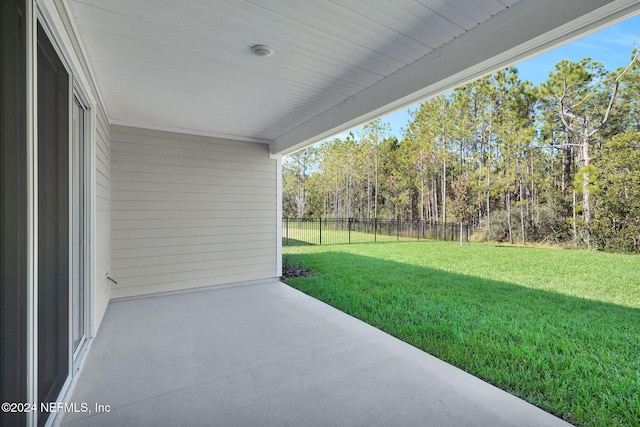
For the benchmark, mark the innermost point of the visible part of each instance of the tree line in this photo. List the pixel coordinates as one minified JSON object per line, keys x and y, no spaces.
{"x":557,"y":162}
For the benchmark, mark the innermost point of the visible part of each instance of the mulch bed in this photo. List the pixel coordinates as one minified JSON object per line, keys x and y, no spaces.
{"x":289,"y":270}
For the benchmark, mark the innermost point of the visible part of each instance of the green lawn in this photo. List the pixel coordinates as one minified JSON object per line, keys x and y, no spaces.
{"x":558,"y":328}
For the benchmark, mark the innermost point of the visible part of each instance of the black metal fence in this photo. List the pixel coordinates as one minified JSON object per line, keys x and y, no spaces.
{"x":328,"y":231}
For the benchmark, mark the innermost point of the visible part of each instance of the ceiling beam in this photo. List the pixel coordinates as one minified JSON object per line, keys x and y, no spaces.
{"x":528,"y":28}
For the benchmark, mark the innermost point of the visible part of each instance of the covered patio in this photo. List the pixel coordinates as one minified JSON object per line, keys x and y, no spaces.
{"x":264,"y":354}
{"x":140,"y":214}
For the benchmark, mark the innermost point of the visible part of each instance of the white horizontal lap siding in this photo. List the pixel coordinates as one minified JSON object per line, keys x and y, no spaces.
{"x":189,"y":211}
{"x":103,"y":214}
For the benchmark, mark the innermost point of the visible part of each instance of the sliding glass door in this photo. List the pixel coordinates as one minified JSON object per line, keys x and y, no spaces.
{"x":44,"y":217}
{"x":62,"y":225}
{"x":53,"y":222}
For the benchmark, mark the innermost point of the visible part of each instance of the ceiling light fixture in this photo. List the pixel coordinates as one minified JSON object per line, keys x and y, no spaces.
{"x":262,"y":50}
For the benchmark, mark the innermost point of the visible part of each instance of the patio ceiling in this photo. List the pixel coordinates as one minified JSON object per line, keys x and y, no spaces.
{"x":187,"y":65}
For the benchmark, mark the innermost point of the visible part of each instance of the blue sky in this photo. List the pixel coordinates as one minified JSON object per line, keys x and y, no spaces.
{"x":612,"y":46}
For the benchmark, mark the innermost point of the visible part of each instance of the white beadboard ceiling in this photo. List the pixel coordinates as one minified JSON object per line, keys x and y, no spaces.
{"x":187,"y":65}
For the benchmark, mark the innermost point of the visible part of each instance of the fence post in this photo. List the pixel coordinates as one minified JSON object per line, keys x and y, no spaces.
{"x":375,"y":230}
{"x":349,"y":228}
{"x":320,"y":229}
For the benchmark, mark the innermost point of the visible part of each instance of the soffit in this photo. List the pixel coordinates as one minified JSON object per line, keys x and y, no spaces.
{"x":187,"y":65}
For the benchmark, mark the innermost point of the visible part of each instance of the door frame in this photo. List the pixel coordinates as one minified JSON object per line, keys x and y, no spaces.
{"x":84,"y":251}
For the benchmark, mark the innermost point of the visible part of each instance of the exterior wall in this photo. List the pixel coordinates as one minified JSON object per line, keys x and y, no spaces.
{"x":102,"y":289}
{"x":190,"y":211}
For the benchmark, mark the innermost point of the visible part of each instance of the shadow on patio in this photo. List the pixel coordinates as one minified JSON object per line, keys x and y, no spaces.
{"x":265,"y":354}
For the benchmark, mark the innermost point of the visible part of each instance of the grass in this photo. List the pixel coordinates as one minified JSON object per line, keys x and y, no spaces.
{"x":558,"y":328}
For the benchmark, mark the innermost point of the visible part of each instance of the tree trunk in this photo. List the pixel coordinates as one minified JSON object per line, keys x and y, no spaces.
{"x":422,"y":198}
{"x":301,"y":201}
{"x":336,"y":198}
{"x":375,"y":198}
{"x":566,"y":171}
{"x":369,"y":196}
{"x":522,"y":202}
{"x":575,"y":230}
{"x":586,"y":191}
{"x":444,"y":199}
{"x":509,"y":224}
{"x":436,"y":214}
{"x":522,"y":229}
{"x":488,"y":204}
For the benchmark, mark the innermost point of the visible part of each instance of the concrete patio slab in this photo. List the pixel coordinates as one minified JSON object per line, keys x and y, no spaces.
{"x":264,"y":354}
